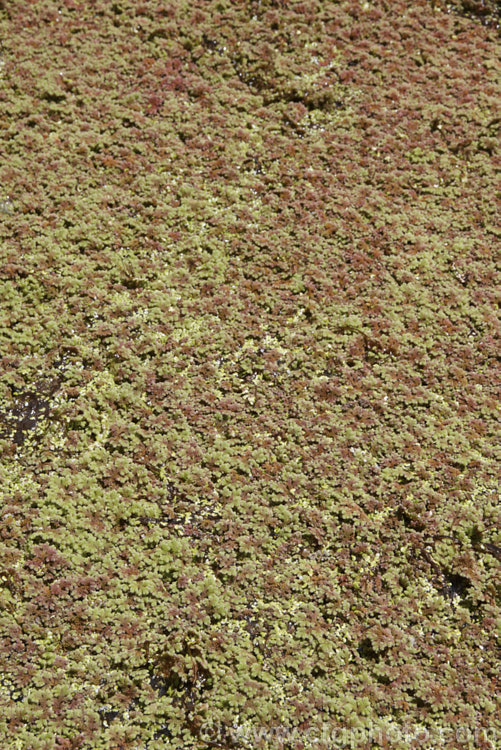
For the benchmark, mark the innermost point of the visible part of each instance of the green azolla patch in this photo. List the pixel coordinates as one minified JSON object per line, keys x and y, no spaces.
{"x":248,"y":375}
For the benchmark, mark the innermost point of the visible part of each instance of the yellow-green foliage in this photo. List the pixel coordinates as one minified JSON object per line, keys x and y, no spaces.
{"x":248,"y":355}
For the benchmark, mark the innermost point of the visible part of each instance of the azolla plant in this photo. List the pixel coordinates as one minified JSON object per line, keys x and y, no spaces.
{"x":249,"y":360}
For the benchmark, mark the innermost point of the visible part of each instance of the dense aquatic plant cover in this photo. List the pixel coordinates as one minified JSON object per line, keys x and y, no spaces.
{"x":248,"y":343}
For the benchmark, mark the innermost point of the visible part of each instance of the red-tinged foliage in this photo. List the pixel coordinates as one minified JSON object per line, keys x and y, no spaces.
{"x":249,"y":359}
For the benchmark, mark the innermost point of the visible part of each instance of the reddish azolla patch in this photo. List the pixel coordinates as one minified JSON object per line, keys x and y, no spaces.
{"x":249,"y":356}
